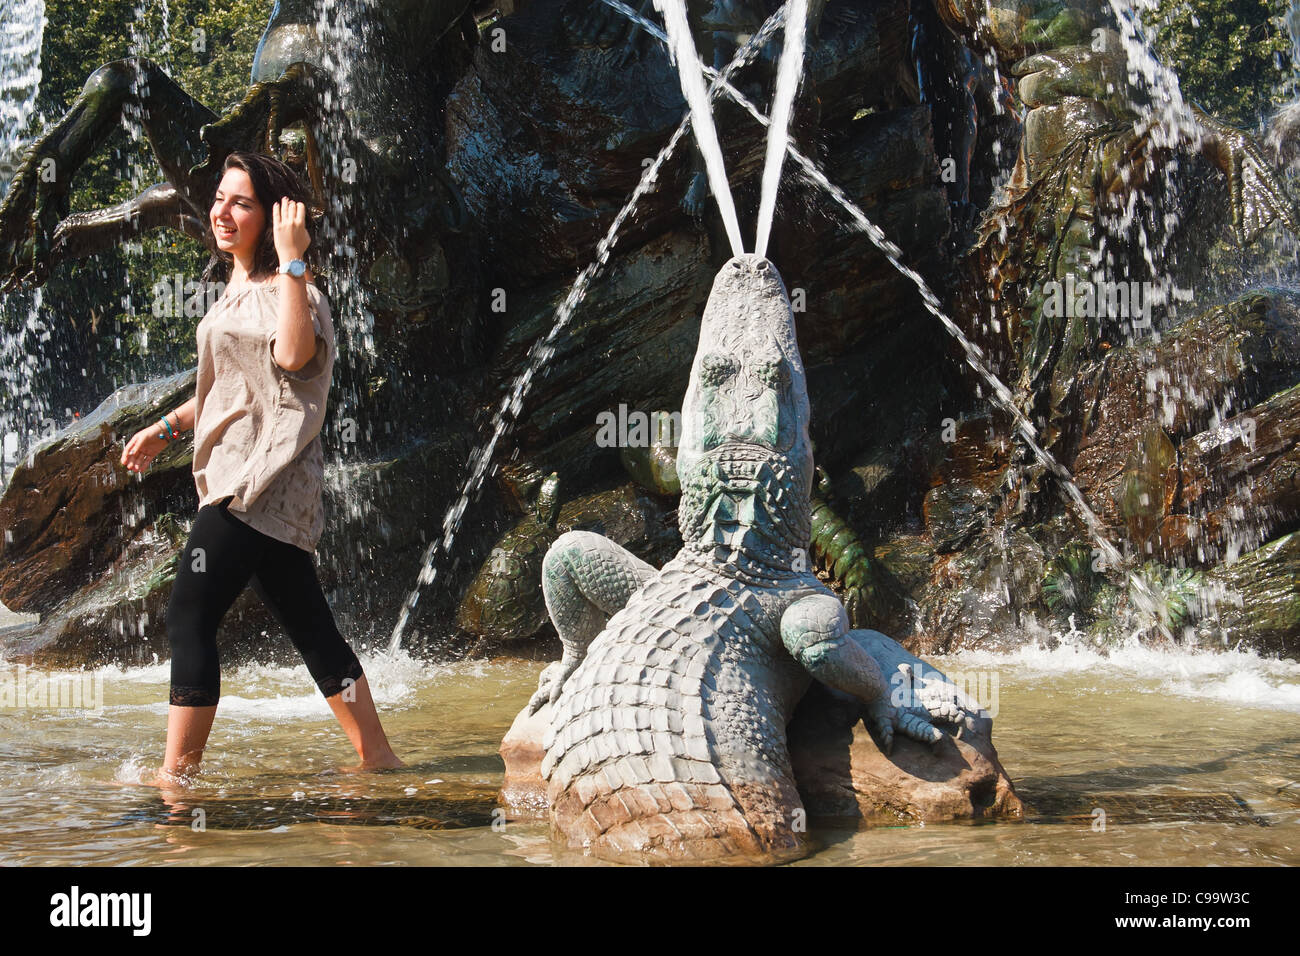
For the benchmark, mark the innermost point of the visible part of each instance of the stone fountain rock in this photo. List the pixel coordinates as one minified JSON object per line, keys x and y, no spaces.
{"x":70,"y":507}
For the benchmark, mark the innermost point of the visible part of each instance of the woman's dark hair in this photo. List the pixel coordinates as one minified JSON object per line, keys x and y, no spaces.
{"x":272,"y":181}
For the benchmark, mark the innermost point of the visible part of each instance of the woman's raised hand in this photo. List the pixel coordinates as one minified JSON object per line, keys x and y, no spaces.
{"x":289,"y":229}
{"x":143,"y":448}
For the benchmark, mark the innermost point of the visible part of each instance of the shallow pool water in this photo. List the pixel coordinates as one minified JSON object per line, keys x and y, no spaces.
{"x":1144,"y":757}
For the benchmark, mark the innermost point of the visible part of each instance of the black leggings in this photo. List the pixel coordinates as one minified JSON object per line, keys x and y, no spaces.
{"x":221,"y":557}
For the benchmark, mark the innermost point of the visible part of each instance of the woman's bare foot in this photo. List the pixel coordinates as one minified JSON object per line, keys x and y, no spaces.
{"x":167,"y":779}
{"x":389,"y":761}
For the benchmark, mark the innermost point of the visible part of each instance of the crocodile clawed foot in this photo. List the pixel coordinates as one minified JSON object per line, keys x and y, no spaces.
{"x":882,"y":717}
{"x":1256,"y":193}
{"x":936,"y":700}
{"x":253,"y":124}
{"x":549,"y":683}
{"x":29,"y":215}
{"x":915,"y":722}
{"x":542,"y":695}
{"x":919,"y":728}
{"x":697,"y":195}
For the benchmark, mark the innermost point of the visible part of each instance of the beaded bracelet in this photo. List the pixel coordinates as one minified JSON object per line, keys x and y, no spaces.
{"x":168,"y":431}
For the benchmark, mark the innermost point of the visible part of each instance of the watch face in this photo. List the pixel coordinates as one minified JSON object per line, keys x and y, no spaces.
{"x":296,"y":268}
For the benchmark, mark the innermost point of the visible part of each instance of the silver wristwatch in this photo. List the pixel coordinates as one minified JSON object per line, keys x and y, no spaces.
{"x":294,"y":267}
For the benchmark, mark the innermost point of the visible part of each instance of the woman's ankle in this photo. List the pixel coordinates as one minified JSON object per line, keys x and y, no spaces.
{"x":379,"y":757}
{"x":177,"y":776}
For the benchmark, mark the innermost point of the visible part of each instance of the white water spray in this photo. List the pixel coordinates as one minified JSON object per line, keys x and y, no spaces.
{"x":682,"y":49}
{"x":22,"y":26}
{"x":343,"y":34}
{"x":778,"y":133}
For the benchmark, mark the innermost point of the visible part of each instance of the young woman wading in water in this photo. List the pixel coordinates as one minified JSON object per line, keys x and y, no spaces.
{"x":266,"y":355}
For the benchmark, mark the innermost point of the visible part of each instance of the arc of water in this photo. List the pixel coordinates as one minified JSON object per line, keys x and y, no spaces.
{"x":682,"y":48}
{"x":544,"y":348}
{"x":778,"y":132}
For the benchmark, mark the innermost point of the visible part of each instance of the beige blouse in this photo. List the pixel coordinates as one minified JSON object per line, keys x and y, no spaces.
{"x":256,"y":425}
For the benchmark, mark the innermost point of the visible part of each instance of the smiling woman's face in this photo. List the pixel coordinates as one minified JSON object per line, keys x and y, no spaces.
{"x":237,"y":217}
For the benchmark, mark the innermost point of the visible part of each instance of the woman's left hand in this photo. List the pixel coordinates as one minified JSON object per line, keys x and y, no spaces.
{"x":289,"y":229}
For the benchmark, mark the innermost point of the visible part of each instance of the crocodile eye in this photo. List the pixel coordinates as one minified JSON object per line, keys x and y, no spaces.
{"x":716,"y":369}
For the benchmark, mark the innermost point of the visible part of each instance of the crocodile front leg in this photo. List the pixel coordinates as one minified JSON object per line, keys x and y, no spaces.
{"x":920,"y":687}
{"x":815,"y":630}
{"x":268,"y":108}
{"x":586,"y":580}
{"x":83,"y":234}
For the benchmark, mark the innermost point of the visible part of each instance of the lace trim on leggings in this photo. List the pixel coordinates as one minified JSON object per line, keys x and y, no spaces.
{"x":329,"y":686}
{"x":193,"y":697}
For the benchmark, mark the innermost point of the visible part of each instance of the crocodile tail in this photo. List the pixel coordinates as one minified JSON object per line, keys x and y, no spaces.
{"x":632,"y":765}
{"x":650,"y":806}
{"x":640,"y":780}
{"x":630,"y":771}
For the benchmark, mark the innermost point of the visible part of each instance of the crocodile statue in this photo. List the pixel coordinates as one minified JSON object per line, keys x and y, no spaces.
{"x":667,"y":729}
